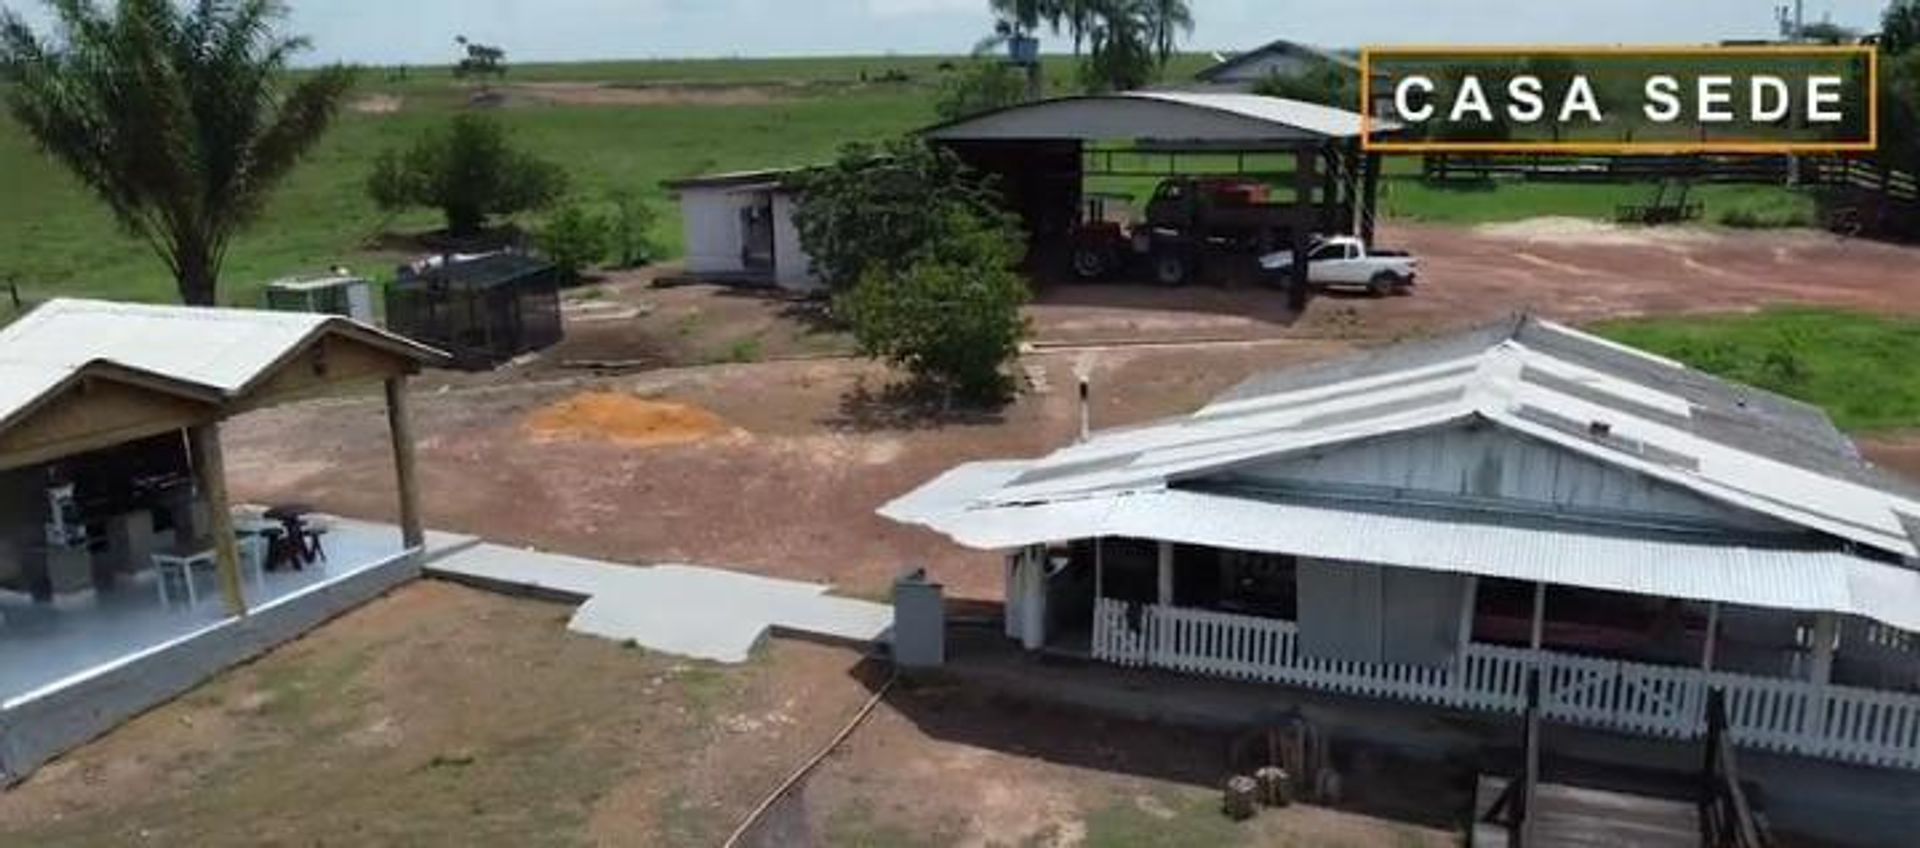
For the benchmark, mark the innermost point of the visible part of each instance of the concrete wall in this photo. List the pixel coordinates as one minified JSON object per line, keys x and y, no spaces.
{"x":710,"y":220}
{"x":792,"y":267}
{"x":33,"y":732}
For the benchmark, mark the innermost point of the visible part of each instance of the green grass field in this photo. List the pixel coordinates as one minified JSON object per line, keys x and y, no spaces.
{"x":58,"y":240}
{"x":1857,"y":367}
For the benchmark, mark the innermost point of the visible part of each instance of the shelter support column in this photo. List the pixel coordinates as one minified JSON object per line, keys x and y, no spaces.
{"x":1300,"y":230}
{"x":1369,"y":193}
{"x":400,"y":426}
{"x":1165,"y":595}
{"x":210,"y":471}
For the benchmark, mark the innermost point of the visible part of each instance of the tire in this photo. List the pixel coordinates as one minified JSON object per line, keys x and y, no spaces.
{"x":1172,"y":268}
{"x":1382,"y":284}
{"x":1091,"y":263}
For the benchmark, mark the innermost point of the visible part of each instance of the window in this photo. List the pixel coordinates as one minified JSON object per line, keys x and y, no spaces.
{"x":1327,"y":251}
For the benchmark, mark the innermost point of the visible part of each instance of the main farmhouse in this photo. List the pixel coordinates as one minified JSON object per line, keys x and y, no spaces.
{"x":1435,"y":521}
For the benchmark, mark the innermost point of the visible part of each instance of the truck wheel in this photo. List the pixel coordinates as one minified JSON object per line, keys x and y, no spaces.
{"x":1091,"y":263}
{"x":1172,"y":268}
{"x":1382,"y":284}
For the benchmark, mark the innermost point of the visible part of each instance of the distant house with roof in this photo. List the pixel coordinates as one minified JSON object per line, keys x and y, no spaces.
{"x":1434,"y":521}
{"x":1279,"y":57}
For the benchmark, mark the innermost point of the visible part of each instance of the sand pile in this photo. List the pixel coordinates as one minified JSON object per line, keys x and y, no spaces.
{"x":626,"y":419}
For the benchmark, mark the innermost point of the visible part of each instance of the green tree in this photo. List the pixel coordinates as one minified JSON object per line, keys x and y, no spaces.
{"x":181,"y":120}
{"x":1900,"y":27}
{"x":1166,"y":19}
{"x":981,"y":85}
{"x":1120,"y":49}
{"x":1323,"y":82}
{"x":468,"y":170}
{"x":885,"y":207}
{"x":630,"y":230}
{"x":573,"y":240}
{"x":951,"y":317}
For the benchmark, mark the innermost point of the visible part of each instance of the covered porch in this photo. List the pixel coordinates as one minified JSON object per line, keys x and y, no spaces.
{"x":1800,"y":682}
{"x":43,"y":646}
{"x":126,"y":575}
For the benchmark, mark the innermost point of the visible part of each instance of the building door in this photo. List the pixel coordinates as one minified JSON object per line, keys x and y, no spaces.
{"x":756,"y":234}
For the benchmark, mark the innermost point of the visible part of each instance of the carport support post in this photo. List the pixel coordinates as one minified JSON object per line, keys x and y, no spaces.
{"x":1536,"y":637}
{"x":1825,"y":627}
{"x":1303,"y":215}
{"x":1370,"y":192}
{"x":210,"y":467}
{"x":400,"y":425}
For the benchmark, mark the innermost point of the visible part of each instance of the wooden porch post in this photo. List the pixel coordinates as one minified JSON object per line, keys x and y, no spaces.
{"x":1465,"y":638}
{"x":210,"y":469}
{"x":400,"y":426}
{"x":1713,"y":635}
{"x":1166,"y":574}
{"x":1099,"y":568}
{"x":1539,"y":617}
{"x":1825,"y":626}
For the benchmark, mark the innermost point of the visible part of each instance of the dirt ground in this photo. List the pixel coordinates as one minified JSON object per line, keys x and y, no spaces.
{"x":944,"y":765}
{"x":1566,"y":269}
{"x":449,"y":716}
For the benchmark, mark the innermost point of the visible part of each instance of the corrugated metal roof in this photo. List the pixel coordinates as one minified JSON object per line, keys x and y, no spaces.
{"x":1161,"y":117}
{"x":1779,"y":578}
{"x":1278,"y":46}
{"x":1724,"y":442}
{"x":222,"y":351}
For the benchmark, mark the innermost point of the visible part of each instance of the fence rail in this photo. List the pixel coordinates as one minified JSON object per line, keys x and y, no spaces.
{"x":1548,"y":167}
{"x":1788,"y":716}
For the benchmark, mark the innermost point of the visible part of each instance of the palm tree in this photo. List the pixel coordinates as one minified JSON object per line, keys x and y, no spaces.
{"x":181,"y":120}
{"x":1165,"y":19}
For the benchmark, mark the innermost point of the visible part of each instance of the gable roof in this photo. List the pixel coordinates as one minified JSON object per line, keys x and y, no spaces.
{"x":208,"y":354}
{"x":1278,"y":46}
{"x":1160,"y":117}
{"x":1724,"y":442}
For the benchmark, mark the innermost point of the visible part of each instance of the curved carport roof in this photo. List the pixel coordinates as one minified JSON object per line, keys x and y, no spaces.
{"x":1164,"y":118}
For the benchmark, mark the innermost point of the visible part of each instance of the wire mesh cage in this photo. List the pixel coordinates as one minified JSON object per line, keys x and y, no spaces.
{"x":483,"y":310}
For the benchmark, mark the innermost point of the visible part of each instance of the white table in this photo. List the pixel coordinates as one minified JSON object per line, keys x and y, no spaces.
{"x":183,"y":562}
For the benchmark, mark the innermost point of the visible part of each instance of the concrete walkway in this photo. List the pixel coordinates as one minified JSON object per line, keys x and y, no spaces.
{"x":705,"y":613}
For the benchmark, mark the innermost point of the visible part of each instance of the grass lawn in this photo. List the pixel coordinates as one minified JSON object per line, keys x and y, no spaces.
{"x":1858,"y":367}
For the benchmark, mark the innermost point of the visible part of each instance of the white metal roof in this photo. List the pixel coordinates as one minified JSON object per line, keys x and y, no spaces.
{"x":1809,"y":580}
{"x":224,"y":351}
{"x":1167,"y":117}
{"x":1727,"y":443}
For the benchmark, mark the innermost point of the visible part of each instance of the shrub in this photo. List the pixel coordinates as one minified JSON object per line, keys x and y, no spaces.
{"x":1324,"y":83}
{"x":629,"y":230}
{"x":951,"y":318}
{"x":469,"y":171}
{"x":882,"y":207}
{"x":572,"y":240}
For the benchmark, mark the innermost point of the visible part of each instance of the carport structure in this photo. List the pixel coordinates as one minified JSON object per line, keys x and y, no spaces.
{"x":1043,"y":151}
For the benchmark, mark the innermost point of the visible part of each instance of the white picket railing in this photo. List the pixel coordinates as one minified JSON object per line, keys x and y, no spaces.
{"x":1789,"y":716}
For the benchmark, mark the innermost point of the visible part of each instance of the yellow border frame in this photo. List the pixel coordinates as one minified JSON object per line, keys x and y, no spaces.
{"x":1872,"y":53}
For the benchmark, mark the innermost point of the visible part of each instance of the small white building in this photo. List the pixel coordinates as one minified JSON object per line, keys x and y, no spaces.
{"x":739,"y":228}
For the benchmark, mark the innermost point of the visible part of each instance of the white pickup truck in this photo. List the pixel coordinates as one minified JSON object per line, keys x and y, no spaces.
{"x":1341,"y":261}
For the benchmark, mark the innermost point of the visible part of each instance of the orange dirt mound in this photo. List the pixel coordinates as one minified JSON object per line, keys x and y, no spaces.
{"x":626,"y":419}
